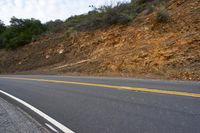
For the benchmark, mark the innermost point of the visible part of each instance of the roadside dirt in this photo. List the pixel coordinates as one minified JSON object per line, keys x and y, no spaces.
{"x":15,"y":120}
{"x":144,"y":49}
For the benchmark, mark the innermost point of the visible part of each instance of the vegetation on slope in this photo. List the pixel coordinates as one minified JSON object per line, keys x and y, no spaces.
{"x":23,"y":31}
{"x":2,"y":29}
{"x":161,"y":44}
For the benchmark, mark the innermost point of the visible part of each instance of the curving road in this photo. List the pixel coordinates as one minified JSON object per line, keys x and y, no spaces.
{"x":111,"y":105}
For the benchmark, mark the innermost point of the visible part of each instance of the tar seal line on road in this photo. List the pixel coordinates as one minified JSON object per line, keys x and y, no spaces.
{"x":178,"y":93}
{"x":48,"y":118}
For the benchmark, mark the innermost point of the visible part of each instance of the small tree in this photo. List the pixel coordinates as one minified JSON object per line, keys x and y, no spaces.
{"x":21,"y":32}
{"x":55,"y":26}
{"x":2,"y":29}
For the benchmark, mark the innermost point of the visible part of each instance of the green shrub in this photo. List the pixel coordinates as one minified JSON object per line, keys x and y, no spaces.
{"x":21,"y":32}
{"x":162,"y":16}
{"x":1,"y":42}
{"x":2,"y":29}
{"x":121,"y":13}
{"x":55,"y":26}
{"x":116,"y":18}
{"x":18,"y":41}
{"x":104,"y":16}
{"x":71,"y":33}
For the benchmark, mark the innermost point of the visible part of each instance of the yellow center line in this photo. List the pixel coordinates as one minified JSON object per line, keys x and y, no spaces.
{"x":179,"y":93}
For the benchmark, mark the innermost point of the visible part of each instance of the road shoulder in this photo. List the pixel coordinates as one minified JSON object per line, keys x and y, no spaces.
{"x":15,"y":120}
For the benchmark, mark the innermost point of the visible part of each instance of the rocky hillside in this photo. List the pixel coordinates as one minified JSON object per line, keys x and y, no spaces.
{"x":144,"y":48}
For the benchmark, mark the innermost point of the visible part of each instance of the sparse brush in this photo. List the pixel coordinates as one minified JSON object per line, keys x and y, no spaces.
{"x":162,"y":15}
{"x":149,"y":8}
{"x":71,"y":33}
{"x":119,"y":13}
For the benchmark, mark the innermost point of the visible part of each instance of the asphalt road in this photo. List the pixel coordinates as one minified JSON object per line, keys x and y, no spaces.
{"x":97,"y":109}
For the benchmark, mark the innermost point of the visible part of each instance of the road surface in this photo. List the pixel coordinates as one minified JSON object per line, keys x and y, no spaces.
{"x":111,"y":105}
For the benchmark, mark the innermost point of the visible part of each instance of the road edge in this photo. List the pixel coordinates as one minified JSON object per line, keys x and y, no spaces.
{"x":38,"y":115}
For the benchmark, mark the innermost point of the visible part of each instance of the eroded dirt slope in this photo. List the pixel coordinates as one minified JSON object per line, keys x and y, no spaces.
{"x":144,"y":48}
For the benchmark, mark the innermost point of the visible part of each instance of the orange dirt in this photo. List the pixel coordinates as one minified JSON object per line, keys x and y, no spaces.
{"x":144,"y":49}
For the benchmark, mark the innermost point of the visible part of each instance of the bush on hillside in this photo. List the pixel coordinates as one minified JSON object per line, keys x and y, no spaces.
{"x":71,"y":33}
{"x":2,"y":29}
{"x":55,"y":26}
{"x":121,"y":13}
{"x":1,"y":42}
{"x":162,"y":16}
{"x":116,"y":18}
{"x":149,"y":6}
{"x":21,"y":32}
{"x":19,"y":40}
{"x":104,"y":16}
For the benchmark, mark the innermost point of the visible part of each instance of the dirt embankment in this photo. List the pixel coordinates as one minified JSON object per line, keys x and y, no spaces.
{"x":142,"y":49}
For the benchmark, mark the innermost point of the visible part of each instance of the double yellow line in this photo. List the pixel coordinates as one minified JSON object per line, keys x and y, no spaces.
{"x":178,"y":93}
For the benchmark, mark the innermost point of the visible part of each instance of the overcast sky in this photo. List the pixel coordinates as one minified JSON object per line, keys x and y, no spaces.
{"x":46,"y":10}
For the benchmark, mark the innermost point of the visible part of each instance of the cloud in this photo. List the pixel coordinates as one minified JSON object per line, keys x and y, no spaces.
{"x":46,"y":10}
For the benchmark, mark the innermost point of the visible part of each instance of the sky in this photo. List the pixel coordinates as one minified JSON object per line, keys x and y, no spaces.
{"x":46,"y":10}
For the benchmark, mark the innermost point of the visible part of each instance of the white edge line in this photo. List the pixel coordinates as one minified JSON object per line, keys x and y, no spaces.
{"x":48,"y":118}
{"x":49,"y":126}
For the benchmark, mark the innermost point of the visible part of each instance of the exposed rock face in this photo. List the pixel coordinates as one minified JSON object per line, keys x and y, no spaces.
{"x":144,"y":48}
